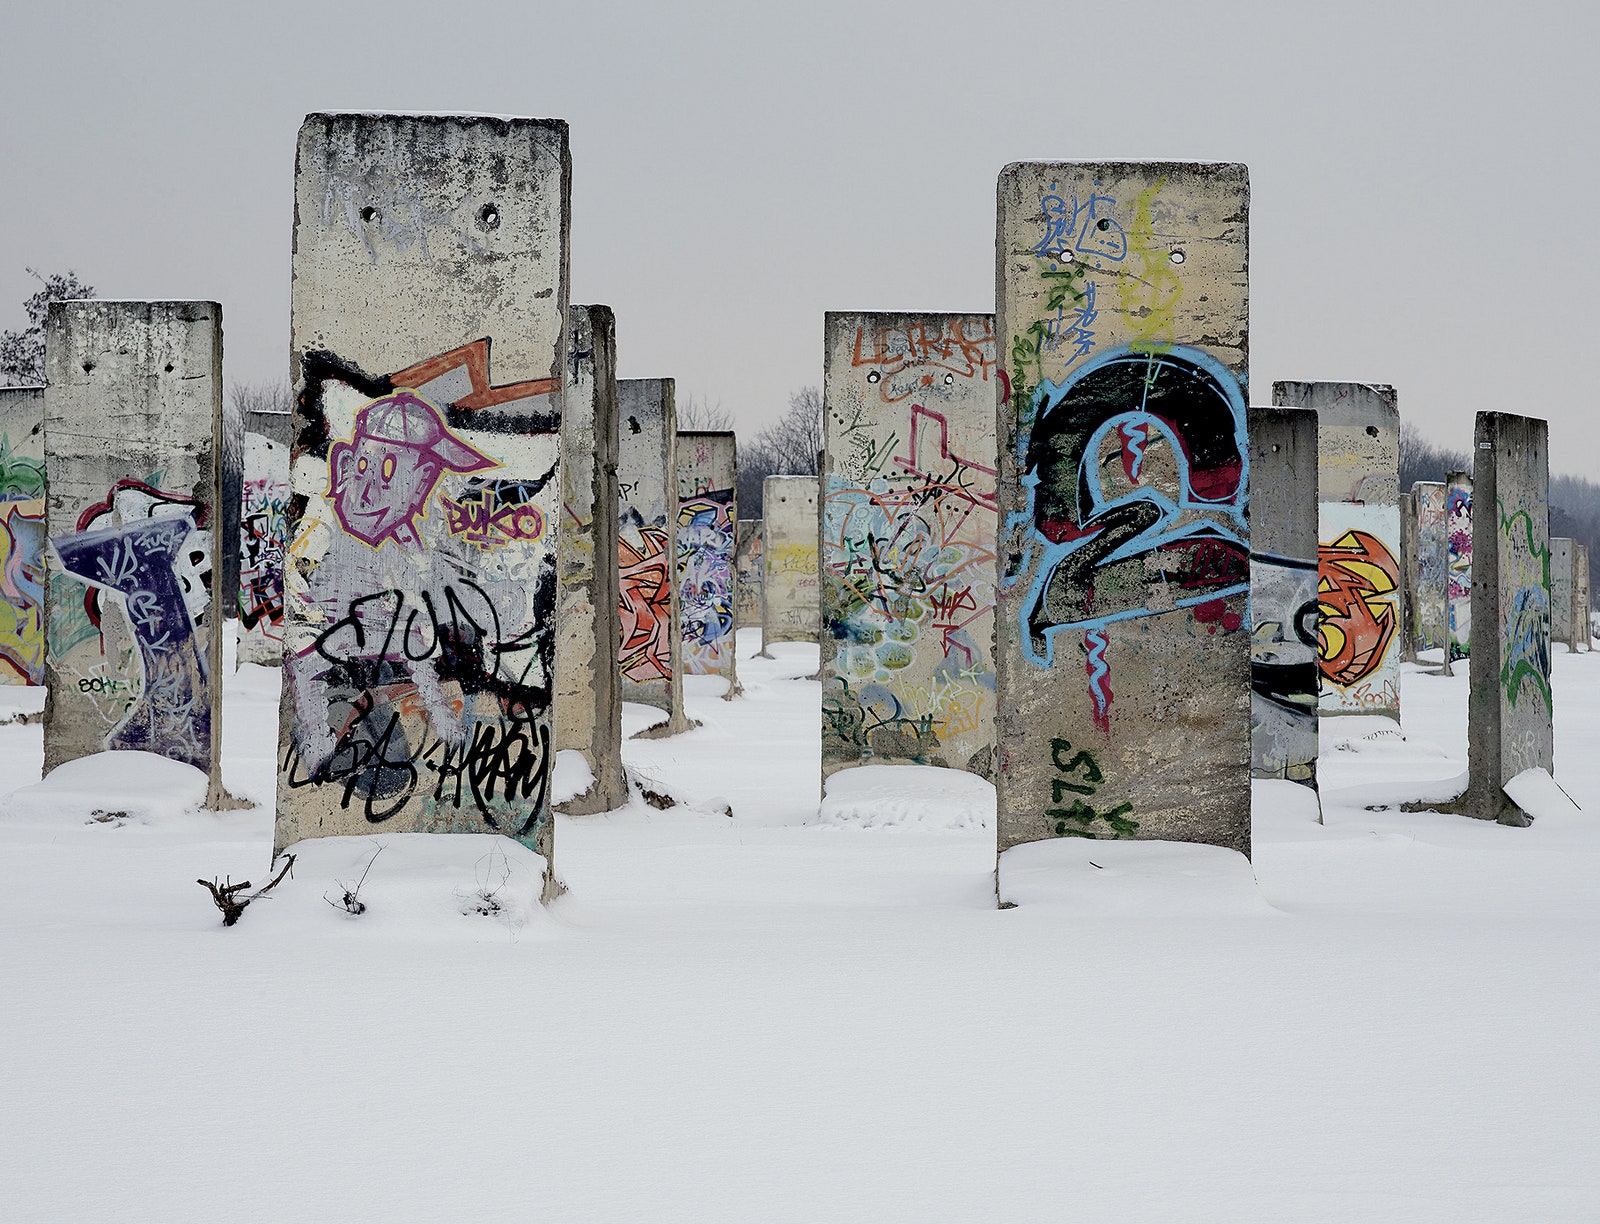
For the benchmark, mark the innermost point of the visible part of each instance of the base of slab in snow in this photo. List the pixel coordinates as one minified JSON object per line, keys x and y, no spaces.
{"x":1142,"y":879}
{"x":470,"y":886}
{"x":112,"y":788}
{"x":907,"y":796}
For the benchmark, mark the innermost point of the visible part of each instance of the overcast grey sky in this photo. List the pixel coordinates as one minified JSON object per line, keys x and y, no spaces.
{"x":1424,"y":176}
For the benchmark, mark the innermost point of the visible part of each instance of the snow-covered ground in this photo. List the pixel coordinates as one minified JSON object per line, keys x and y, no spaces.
{"x":800,"y":1015}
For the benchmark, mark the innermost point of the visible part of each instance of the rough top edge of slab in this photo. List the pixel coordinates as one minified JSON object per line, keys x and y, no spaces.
{"x":1513,"y":416}
{"x":662,"y":382}
{"x":1376,"y":387}
{"x":1218,"y":168}
{"x":829,"y":316}
{"x":170,"y":303}
{"x":439,"y":117}
{"x":706,"y":433}
{"x":787,"y":476}
{"x":595,"y":308}
{"x":23,"y":389}
{"x":1425,"y":484}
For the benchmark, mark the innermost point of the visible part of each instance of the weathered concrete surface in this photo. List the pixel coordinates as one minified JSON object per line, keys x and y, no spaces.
{"x":22,"y":527}
{"x":1123,"y":637}
{"x":708,"y":484}
{"x":230,"y":520}
{"x":263,"y":537}
{"x":790,"y":583}
{"x":1406,"y":596}
{"x":1509,"y":726}
{"x":909,"y":518}
{"x":1581,"y":604}
{"x":428,"y":338}
{"x":588,"y":685}
{"x":133,"y":481}
{"x":1283,"y":594}
{"x":1431,"y":617}
{"x":1358,"y":485}
{"x":1458,"y":560}
{"x":747,"y":559}
{"x":1561,"y":566}
{"x":276,"y":426}
{"x":647,"y":546}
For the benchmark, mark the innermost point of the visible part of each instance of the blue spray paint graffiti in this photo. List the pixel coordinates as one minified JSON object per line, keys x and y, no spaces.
{"x":172,"y":716}
{"x":1134,"y":476}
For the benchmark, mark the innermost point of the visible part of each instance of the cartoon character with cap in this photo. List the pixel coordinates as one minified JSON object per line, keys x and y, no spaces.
{"x":381,"y":479}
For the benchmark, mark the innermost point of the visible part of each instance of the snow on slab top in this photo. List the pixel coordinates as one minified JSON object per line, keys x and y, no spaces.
{"x":113,"y":787}
{"x":907,"y":796}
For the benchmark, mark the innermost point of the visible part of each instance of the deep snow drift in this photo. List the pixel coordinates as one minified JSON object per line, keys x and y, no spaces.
{"x":805,"y":1012}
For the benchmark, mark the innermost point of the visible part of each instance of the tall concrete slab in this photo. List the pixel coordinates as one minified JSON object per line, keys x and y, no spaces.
{"x":1458,"y":560}
{"x":1432,"y":615}
{"x":428,"y":339}
{"x":263,"y":537}
{"x":1509,"y":726}
{"x":790,"y":582}
{"x":133,"y":483}
{"x":1283,"y":594}
{"x":1123,"y":636}
{"x":22,"y":527}
{"x":589,"y":626}
{"x":647,"y":546}
{"x":909,"y":518}
{"x":1406,"y":596}
{"x":1582,"y":634}
{"x":1561,"y":566}
{"x":747,"y":560}
{"x":708,"y":484}
{"x":1358,"y":484}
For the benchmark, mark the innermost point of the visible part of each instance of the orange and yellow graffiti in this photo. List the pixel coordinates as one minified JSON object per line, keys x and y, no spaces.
{"x":1356,"y":580}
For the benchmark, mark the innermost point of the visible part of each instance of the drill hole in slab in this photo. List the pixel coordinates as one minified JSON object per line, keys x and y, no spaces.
{"x":88,"y":367}
{"x":370,"y":214}
{"x":1177,"y":257}
{"x":488,"y":217}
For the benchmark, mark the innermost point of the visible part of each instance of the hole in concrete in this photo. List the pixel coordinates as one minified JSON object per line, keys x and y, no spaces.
{"x":633,"y":424}
{"x":488,"y":217}
{"x":168,"y":367}
{"x":88,"y":367}
{"x":948,"y":379}
{"x":873,"y":376}
{"x":370,"y":214}
{"x":1177,"y":257}
{"x":1372,"y":431}
{"x":1103,"y":224}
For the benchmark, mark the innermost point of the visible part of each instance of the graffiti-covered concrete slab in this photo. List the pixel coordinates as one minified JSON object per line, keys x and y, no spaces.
{"x":1283,"y":594}
{"x":429,"y":307}
{"x":263,"y":536}
{"x":1458,"y":561}
{"x":1358,"y":480}
{"x":1561,"y":566}
{"x":588,"y":685}
{"x":132,"y":429}
{"x":1509,"y":726}
{"x":909,"y":518}
{"x":22,"y":527}
{"x":708,"y":483}
{"x":1123,"y":637}
{"x":748,"y":554}
{"x":790,"y":583}
{"x":1582,"y":635}
{"x":1406,"y":596}
{"x":648,"y":543}
{"x":1431,"y":618}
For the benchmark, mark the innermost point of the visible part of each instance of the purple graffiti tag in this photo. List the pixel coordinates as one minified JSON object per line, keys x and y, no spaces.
{"x":172,"y":717}
{"x":381,"y":479}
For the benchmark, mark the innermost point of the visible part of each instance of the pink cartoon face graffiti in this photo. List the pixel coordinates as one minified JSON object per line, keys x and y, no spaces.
{"x":381,"y":479}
